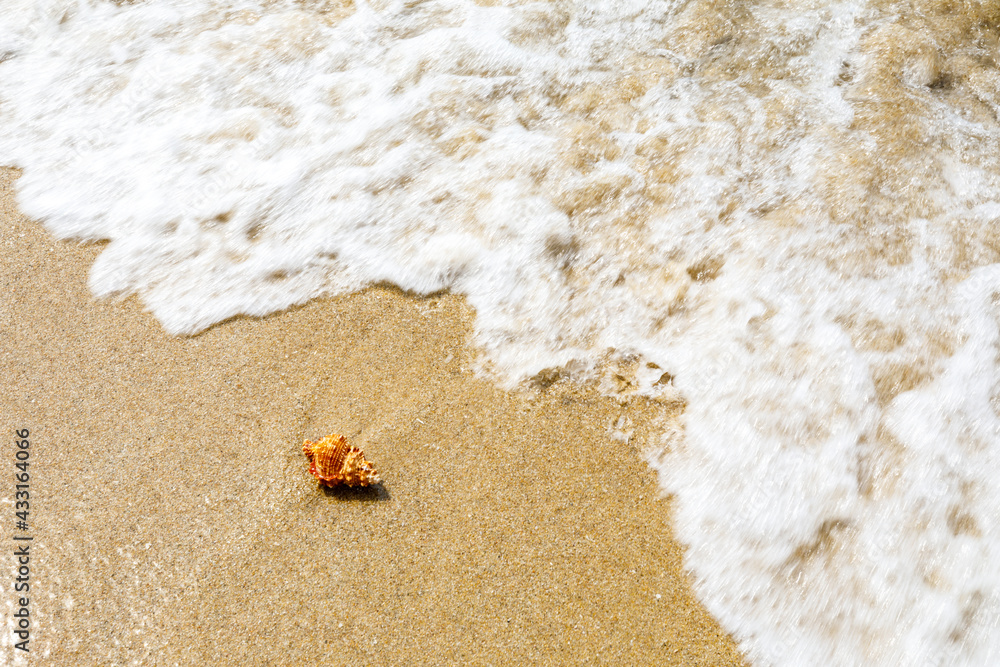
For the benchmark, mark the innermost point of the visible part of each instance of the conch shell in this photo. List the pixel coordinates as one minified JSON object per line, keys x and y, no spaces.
{"x":335,"y":462}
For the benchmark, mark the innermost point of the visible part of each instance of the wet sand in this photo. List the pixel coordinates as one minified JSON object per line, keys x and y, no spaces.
{"x":174,"y":520}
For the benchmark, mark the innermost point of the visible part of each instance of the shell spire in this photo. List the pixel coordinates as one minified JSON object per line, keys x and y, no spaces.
{"x":334,"y":462}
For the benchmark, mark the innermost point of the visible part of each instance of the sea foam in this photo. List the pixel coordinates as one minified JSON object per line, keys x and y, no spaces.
{"x":791,"y":211}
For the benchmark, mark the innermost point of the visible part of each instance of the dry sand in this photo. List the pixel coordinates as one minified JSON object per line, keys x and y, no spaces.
{"x":174,"y":520}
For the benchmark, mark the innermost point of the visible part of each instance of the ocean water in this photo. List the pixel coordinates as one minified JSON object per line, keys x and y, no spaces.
{"x":791,"y":211}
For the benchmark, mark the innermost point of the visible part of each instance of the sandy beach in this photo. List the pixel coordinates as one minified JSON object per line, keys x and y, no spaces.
{"x":174,"y":520}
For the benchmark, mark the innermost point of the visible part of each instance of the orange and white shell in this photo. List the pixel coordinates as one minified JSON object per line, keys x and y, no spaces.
{"x":334,"y":462}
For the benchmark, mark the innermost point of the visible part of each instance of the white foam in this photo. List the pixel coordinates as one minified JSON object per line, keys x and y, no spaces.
{"x":788,"y":211}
